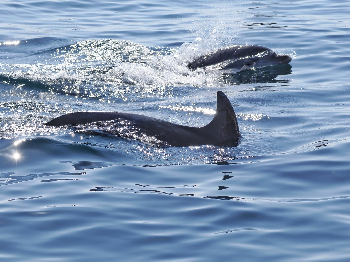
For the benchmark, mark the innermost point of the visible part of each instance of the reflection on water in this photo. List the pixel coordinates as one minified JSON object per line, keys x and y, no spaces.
{"x":16,"y":156}
{"x":10,"y":43}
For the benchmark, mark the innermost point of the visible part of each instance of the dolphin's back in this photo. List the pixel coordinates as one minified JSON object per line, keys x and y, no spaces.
{"x":228,"y":53}
{"x":221,"y":131}
{"x":80,"y":118}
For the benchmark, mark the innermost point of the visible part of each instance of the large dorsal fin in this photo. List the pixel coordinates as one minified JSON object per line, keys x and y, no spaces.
{"x":224,"y":126}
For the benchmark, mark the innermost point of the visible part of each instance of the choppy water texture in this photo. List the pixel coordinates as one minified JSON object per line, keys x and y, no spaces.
{"x":72,"y":195}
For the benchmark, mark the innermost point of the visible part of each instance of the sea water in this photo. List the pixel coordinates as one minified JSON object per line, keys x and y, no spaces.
{"x":70,"y":195}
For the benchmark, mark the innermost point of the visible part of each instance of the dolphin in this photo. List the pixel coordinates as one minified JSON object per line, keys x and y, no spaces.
{"x":221,"y":131}
{"x":240,"y":57}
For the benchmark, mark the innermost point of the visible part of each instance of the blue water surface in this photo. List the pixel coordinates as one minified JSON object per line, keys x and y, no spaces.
{"x":77,"y":195}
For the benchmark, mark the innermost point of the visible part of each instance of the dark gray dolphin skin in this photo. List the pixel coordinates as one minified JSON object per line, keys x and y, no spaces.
{"x":240,"y":57}
{"x":221,"y":131}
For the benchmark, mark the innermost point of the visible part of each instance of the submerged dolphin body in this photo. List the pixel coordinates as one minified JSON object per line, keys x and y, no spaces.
{"x":221,"y":131}
{"x":240,"y":57}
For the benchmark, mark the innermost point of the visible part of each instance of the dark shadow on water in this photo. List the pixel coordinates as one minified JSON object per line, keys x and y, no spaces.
{"x":259,"y":75}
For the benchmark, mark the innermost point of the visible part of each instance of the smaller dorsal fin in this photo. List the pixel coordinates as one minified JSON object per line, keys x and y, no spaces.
{"x":224,"y":126}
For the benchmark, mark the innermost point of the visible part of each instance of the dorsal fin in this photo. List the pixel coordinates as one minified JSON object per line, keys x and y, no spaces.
{"x":224,"y":126}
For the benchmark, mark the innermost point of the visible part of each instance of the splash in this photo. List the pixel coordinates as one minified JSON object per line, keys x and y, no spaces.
{"x":104,"y":69}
